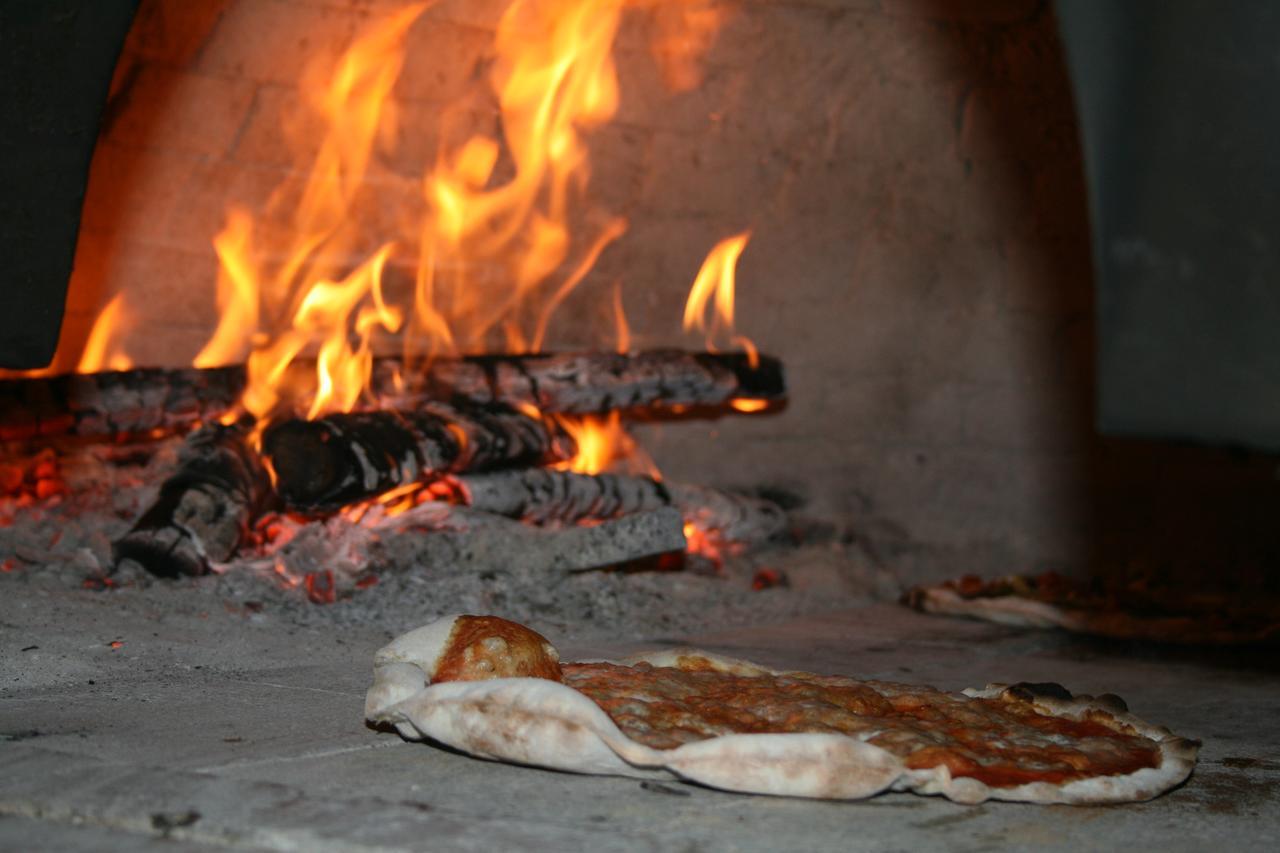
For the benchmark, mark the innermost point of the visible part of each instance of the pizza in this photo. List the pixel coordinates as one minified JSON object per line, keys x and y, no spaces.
{"x":1133,"y":609}
{"x":498,"y":690}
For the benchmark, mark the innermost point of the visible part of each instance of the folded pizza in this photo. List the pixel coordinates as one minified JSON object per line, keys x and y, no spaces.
{"x":1133,"y":611}
{"x":498,"y":690}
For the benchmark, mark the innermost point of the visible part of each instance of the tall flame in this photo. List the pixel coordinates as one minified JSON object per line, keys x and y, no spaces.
{"x":715,"y":281}
{"x":494,"y":255}
{"x":279,"y":311}
{"x":554,"y":77}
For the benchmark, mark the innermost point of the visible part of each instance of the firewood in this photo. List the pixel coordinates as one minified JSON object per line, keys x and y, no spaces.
{"x":204,"y":508}
{"x":116,"y":403}
{"x":324,"y":464}
{"x":596,"y":382}
{"x":137,"y":402}
{"x":544,"y":496}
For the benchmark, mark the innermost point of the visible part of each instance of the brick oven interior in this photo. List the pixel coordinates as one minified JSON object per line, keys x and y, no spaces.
{"x":921,"y":262}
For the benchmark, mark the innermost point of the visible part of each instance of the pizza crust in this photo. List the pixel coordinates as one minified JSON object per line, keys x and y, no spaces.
{"x":545,"y":723}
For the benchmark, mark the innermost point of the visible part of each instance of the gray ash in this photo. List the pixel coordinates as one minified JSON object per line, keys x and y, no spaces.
{"x":363,"y":566}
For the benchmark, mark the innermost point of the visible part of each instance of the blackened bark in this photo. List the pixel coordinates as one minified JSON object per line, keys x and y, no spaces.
{"x":596,"y":382}
{"x":324,"y":464}
{"x":137,"y":402}
{"x":116,"y":403}
{"x":205,"y":509}
{"x":542,"y":496}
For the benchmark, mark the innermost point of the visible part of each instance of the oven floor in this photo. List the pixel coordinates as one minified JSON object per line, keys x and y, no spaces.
{"x":206,"y":729}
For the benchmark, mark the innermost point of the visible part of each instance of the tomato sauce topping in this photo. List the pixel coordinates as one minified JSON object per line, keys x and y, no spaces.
{"x":1003,"y":742}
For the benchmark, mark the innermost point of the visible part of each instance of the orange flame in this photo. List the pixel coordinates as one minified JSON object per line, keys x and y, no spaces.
{"x":716,"y":280}
{"x":104,"y":349}
{"x":604,"y":444}
{"x":623,"y":329}
{"x":496,"y":255}
{"x":278,"y":312}
{"x":492,"y":251}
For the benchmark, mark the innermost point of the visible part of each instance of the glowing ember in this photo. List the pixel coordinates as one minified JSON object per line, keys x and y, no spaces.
{"x":320,"y":587}
{"x":400,"y":500}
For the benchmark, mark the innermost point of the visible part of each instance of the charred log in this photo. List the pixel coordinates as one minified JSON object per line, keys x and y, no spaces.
{"x":590,"y":383}
{"x":324,"y":464}
{"x":136,"y":402}
{"x":118,"y":403}
{"x":204,"y":509}
{"x":544,"y":496}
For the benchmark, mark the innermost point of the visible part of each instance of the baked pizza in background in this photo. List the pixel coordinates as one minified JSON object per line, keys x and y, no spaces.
{"x":497,"y":690}
{"x":1133,"y":609}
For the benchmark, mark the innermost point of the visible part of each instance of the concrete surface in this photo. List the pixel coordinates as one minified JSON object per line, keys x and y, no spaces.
{"x":203,"y":729}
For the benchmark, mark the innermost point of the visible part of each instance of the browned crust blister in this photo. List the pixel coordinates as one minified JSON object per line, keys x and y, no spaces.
{"x":520,"y":717}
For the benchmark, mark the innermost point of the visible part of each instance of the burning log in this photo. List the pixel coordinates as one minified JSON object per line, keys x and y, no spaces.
{"x":204,"y":509}
{"x":134,"y":402}
{"x":596,"y":382}
{"x":541,"y":496}
{"x":327,"y":463}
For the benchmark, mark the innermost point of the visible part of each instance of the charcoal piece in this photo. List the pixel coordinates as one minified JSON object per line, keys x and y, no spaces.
{"x":324,"y":464}
{"x":542,"y":496}
{"x":204,"y":508}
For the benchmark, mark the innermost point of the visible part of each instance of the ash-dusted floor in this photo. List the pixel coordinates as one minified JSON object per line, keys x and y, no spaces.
{"x":203,"y":728}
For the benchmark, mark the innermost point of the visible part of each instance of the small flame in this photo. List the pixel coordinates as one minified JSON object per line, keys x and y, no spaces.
{"x":716,"y":280}
{"x":603,"y":444}
{"x":403,"y":498}
{"x":105,"y":348}
{"x":620,"y":320}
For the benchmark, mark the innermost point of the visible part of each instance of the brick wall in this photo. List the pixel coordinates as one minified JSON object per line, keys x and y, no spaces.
{"x":910,"y":170}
